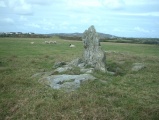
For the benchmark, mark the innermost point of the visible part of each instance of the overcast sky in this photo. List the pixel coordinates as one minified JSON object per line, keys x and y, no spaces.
{"x":125,"y":18}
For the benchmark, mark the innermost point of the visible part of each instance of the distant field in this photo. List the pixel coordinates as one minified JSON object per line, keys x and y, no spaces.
{"x":125,"y":96}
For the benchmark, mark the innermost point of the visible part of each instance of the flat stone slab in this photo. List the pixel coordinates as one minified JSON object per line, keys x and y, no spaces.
{"x":138,"y":66}
{"x":65,"y":81}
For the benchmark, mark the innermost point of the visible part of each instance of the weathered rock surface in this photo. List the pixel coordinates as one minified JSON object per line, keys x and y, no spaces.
{"x":93,"y":55}
{"x":86,"y":70}
{"x":67,"y":82}
{"x":138,"y":66}
{"x":63,"y":69}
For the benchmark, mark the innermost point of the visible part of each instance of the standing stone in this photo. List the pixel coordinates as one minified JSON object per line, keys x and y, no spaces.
{"x":93,"y":55}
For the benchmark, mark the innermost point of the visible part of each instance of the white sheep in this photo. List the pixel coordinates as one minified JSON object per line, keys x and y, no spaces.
{"x":71,"y":45}
{"x":32,"y":43}
{"x":53,"y":42}
{"x":47,"y":42}
{"x":50,"y":42}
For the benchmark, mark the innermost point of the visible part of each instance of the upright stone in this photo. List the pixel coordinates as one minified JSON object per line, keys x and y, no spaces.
{"x":93,"y":55}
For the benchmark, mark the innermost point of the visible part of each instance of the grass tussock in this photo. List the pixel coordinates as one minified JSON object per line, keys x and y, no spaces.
{"x":124,"y":96}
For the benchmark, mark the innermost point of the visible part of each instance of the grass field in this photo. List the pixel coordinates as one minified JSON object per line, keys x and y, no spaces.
{"x":125,"y":96}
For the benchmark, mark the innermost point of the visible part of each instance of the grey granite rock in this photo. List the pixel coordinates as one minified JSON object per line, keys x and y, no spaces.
{"x":137,"y":66}
{"x":68,"y":82}
{"x":93,"y":55}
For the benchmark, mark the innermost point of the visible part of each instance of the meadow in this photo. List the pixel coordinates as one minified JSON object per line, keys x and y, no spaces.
{"x":127,"y":95}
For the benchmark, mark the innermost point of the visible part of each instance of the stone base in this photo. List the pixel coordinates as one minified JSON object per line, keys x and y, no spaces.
{"x":67,"y":82}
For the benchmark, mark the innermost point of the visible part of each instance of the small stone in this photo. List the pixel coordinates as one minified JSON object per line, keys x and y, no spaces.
{"x":63,"y":69}
{"x":137,"y":66}
{"x":111,"y":73}
{"x":81,"y":65}
{"x":87,"y":70}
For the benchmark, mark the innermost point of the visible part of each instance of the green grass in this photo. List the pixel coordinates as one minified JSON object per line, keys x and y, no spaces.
{"x":125,"y":96}
{"x":137,"y":49}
